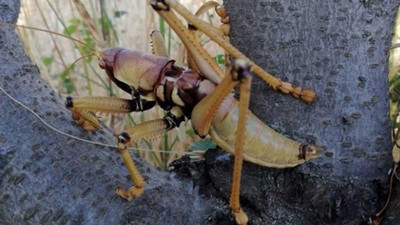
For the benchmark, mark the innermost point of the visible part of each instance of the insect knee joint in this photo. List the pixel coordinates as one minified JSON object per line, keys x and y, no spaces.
{"x":240,"y":70}
{"x":159,"y":5}
{"x":68,"y":102}
{"x":124,"y":138}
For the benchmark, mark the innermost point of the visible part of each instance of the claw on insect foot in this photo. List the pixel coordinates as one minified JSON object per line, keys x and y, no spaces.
{"x":307,"y":95}
{"x":129,"y":194}
{"x":221,"y":11}
{"x":240,"y":216}
{"x":159,"y":5}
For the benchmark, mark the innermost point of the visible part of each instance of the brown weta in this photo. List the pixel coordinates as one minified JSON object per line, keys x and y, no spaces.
{"x":201,"y":94}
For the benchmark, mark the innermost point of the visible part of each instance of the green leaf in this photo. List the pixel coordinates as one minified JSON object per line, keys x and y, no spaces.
{"x":141,"y":118}
{"x":75,"y":21}
{"x":68,"y":86}
{"x":118,"y":14}
{"x":393,"y":80}
{"x":161,"y":24}
{"x":47,"y":60}
{"x":131,"y":120}
{"x":90,"y":44}
{"x":65,"y":81}
{"x":107,"y":24}
{"x":108,"y":27}
{"x":65,"y":73}
{"x":203,"y":145}
{"x":220,"y":59}
{"x":69,"y":30}
{"x":190,"y":132}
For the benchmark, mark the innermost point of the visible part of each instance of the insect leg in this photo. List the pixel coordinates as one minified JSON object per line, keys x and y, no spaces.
{"x":204,"y":112}
{"x":136,"y":177}
{"x":146,"y":130}
{"x":223,"y":30}
{"x":207,"y":6}
{"x":85,"y":119}
{"x":206,"y":64}
{"x":241,"y":70}
{"x":83,"y":108}
{"x":157,"y":44}
{"x":306,"y":95}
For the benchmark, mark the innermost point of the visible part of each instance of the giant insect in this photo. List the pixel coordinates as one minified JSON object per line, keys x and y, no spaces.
{"x":200,"y":93}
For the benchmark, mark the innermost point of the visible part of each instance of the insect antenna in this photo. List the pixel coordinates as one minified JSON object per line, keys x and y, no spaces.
{"x":196,"y":154}
{"x":77,"y":60}
{"x":95,"y":51}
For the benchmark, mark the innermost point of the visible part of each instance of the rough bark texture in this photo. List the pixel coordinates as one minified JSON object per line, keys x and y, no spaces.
{"x":47,"y":178}
{"x":338,"y":48}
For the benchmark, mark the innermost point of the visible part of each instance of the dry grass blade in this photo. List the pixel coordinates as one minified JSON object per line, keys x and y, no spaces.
{"x":88,"y":22}
{"x":55,"y":45}
{"x":112,"y":23}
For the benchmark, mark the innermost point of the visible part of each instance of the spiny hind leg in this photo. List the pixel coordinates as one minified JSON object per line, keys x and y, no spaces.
{"x":203,"y":60}
{"x":306,"y":95}
{"x":223,"y":30}
{"x":83,"y":108}
{"x":157,"y":44}
{"x":204,"y":112}
{"x":241,"y":73}
{"x":221,"y":12}
{"x":143,"y":131}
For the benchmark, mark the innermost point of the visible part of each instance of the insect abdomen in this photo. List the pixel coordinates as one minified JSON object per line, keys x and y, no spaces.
{"x":263,"y":146}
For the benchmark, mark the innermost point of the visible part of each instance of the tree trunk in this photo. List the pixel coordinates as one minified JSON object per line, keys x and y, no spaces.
{"x":338,"y":48}
{"x":48,"y":178}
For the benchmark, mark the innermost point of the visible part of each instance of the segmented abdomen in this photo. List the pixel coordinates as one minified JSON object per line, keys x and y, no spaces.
{"x":263,"y":146}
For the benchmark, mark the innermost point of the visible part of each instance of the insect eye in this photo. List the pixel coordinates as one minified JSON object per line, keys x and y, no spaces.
{"x":102,"y":64}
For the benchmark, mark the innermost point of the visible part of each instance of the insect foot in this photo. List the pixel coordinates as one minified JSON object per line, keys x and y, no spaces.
{"x":84,"y":118}
{"x":159,"y":5}
{"x":136,"y":177}
{"x":240,"y":217}
{"x":129,"y":194}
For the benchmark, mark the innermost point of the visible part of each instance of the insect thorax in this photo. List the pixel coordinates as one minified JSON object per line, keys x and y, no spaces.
{"x":183,"y":88}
